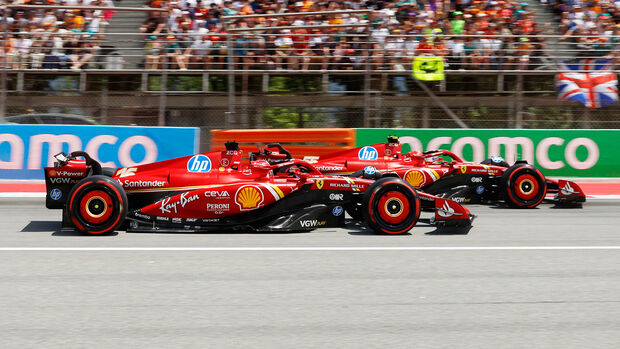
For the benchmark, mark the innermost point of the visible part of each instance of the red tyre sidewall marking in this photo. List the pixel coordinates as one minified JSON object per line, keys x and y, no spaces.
{"x":77,"y":223}
{"x":386,"y":199}
{"x":406,"y":229}
{"x":120,"y":206}
{"x":526,"y":178}
{"x":513,"y":198}
{"x":105,"y":214}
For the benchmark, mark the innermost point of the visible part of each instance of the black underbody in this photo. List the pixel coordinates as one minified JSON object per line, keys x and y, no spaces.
{"x":466,"y":188}
{"x":303,"y":210}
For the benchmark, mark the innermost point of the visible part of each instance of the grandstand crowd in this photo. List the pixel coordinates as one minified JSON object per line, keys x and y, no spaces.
{"x":192,"y":34}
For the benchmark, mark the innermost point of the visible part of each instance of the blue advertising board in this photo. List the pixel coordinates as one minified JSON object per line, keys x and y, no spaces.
{"x":26,"y":149}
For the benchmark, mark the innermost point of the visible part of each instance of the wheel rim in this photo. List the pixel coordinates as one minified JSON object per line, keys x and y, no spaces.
{"x":393,"y":207}
{"x":526,"y":187}
{"x":96,"y":207}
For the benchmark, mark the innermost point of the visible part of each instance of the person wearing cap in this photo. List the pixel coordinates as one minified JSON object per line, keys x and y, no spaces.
{"x":174,"y":53}
{"x":283,"y":45}
{"x":457,"y":24}
{"x":153,"y":52}
{"x":524,"y":50}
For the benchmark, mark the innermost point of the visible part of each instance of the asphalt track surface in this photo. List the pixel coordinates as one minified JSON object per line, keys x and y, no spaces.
{"x":542,"y":278}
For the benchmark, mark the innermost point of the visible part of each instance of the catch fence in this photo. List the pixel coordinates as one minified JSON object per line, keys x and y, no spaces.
{"x":296,"y":76}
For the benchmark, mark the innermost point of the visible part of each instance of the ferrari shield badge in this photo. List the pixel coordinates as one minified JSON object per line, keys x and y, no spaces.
{"x":319,"y":184}
{"x":463,"y":169}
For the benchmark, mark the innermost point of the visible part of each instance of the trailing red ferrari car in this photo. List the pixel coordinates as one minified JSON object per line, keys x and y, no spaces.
{"x":215,"y":190}
{"x":444,"y":174}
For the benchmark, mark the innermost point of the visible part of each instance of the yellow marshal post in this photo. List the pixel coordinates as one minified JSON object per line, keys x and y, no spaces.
{"x":428,"y":68}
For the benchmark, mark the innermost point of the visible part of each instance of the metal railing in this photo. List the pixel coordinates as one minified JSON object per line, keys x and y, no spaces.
{"x":302,"y":52}
{"x":328,"y":63}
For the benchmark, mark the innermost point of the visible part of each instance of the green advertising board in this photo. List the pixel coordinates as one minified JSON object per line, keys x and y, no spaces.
{"x":571,"y":153}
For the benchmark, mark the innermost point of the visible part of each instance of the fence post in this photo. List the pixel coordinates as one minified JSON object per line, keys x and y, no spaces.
{"x":231,"y":76}
{"x":367,"y":75}
{"x":104,"y":105}
{"x":519,"y":103}
{"x":244,"y":99}
{"x":3,"y":82}
{"x":426,"y":117}
{"x":161,"y":116}
{"x":586,"y":118}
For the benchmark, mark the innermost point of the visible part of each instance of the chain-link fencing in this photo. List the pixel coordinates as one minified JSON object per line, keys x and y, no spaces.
{"x":303,"y":76}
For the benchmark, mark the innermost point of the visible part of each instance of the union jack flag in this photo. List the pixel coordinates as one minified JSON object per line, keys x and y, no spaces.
{"x":589,"y":82}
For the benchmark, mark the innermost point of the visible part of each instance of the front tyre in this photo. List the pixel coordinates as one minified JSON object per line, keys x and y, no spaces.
{"x":97,"y":205}
{"x":391,"y":206}
{"x":524,"y":186}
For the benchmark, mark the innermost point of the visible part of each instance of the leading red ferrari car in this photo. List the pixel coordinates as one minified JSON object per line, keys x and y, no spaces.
{"x":444,"y":174}
{"x":215,"y":190}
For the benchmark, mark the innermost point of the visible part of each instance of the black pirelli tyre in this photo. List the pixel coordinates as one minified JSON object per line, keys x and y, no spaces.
{"x":524,"y":186}
{"x":391,"y":206}
{"x":97,"y":205}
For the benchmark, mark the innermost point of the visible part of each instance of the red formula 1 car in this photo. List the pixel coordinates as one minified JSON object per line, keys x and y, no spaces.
{"x":215,"y":190}
{"x":444,"y":174}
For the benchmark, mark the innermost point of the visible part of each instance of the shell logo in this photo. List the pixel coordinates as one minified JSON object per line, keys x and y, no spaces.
{"x":52,"y":173}
{"x":415,"y":178}
{"x":249,"y":197}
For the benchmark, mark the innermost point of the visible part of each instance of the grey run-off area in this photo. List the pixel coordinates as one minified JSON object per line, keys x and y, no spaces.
{"x":266,"y":298}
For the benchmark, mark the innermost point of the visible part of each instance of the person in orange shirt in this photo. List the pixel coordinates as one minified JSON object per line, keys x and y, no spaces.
{"x":78,"y":21}
{"x":337,"y":19}
{"x":246,"y":9}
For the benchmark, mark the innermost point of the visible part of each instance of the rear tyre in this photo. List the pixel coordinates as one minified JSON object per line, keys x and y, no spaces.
{"x":391,"y":206}
{"x":97,"y":205}
{"x":524,"y":186}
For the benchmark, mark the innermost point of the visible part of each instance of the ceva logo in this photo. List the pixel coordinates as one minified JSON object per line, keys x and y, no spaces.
{"x":368,"y":153}
{"x":199,"y":163}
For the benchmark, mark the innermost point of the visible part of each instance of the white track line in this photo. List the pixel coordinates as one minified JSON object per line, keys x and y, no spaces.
{"x":22,"y":195}
{"x":343,"y":248}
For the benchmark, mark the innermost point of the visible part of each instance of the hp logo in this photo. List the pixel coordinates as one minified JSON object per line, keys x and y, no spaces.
{"x":199,"y":163}
{"x":479,"y":190}
{"x":55,"y":194}
{"x":368,"y":153}
{"x":370,"y":170}
{"x":337,"y":211}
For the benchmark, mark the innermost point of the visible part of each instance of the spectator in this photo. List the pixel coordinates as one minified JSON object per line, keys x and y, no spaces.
{"x":153,"y":52}
{"x":198,"y":52}
{"x":283,"y":45}
{"x":22,"y":50}
{"x":174,"y":53}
